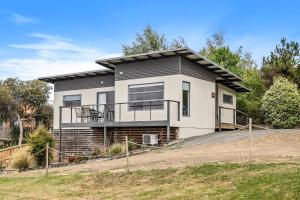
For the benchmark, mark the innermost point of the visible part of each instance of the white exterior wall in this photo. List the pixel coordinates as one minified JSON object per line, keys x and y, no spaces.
{"x":202,"y":105}
{"x":88,"y":97}
{"x":226,"y":115}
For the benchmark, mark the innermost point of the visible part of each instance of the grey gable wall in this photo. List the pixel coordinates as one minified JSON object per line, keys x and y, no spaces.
{"x":148,"y":68}
{"x":135,"y":70}
{"x":191,"y":69}
{"x":162,"y":67}
{"x":85,"y":83}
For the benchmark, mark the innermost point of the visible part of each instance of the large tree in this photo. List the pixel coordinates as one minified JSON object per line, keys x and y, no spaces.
{"x":151,"y":40}
{"x":235,"y":61}
{"x":283,"y":61}
{"x":24,"y":100}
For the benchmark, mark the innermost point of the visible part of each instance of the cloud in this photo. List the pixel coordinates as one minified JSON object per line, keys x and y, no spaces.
{"x":21,"y":19}
{"x":51,"y":55}
{"x":18,"y":18}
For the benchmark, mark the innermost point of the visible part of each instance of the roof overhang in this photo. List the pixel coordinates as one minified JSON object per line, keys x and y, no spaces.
{"x":52,"y":79}
{"x":223,"y":76}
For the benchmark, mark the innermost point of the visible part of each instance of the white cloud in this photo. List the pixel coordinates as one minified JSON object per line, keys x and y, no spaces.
{"x":51,"y":55}
{"x":21,"y":19}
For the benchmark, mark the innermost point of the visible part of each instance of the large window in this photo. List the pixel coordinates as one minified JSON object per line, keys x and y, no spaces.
{"x":72,"y":100}
{"x":186,"y":99}
{"x":227,"y":99}
{"x":146,"y":96}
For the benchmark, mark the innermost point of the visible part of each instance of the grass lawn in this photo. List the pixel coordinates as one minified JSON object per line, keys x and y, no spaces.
{"x":210,"y":181}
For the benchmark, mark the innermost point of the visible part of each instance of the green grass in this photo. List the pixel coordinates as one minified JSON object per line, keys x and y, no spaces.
{"x":209,"y":181}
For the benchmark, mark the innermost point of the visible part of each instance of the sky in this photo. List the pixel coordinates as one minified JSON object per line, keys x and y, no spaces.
{"x":51,"y":37}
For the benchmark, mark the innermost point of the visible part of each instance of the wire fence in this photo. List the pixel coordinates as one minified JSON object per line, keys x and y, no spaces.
{"x":244,"y":133}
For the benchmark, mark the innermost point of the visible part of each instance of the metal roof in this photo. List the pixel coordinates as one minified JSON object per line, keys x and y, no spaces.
{"x":52,"y":79}
{"x":222,"y":75}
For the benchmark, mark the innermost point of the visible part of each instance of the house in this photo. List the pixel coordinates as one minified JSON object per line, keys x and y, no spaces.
{"x":154,"y":97}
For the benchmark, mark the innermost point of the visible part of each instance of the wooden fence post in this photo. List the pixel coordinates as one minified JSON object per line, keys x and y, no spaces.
{"x":47,"y":158}
{"x":250,"y":139}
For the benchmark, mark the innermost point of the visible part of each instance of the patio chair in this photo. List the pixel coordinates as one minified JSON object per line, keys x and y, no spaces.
{"x":86,"y":114}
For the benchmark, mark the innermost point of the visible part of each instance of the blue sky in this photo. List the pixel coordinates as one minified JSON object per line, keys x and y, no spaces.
{"x":40,"y":38}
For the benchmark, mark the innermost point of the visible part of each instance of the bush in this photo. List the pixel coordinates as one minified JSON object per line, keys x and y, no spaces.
{"x":116,"y":149}
{"x":281,"y":104}
{"x":99,"y":150}
{"x":132,"y":146}
{"x":38,"y":141}
{"x":22,"y":159}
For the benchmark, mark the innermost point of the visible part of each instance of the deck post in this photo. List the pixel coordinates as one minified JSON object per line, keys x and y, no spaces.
{"x":168,"y":121}
{"x":150,"y":117}
{"x":120,"y":110}
{"x":220,"y":126}
{"x":105,"y":136}
{"x":178,"y":110}
{"x":71,"y":115}
{"x":234,"y":117}
{"x":60,"y":132}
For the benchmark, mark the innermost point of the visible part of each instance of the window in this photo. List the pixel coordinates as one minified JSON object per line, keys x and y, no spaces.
{"x":72,"y":100}
{"x":186,"y":99}
{"x":227,"y":99}
{"x":146,"y":96}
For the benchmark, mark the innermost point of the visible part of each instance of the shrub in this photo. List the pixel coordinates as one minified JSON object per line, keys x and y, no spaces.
{"x":116,"y":149}
{"x":38,"y":141}
{"x":99,"y":150}
{"x":22,"y":159}
{"x":132,"y":146}
{"x":281,"y":104}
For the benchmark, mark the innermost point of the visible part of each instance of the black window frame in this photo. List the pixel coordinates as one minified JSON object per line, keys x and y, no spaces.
{"x":188,"y":114}
{"x":230,"y":102}
{"x":140,"y":105}
{"x":74,"y":104}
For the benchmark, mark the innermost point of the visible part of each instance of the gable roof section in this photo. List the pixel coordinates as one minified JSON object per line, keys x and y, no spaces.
{"x":223,"y":76}
{"x":52,"y":79}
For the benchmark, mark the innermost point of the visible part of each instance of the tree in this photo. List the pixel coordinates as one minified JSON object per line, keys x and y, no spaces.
{"x":27,"y":99}
{"x":281,"y":104}
{"x":151,"y":40}
{"x":217,"y":51}
{"x":250,"y":102}
{"x":283,"y":61}
{"x":7,"y":104}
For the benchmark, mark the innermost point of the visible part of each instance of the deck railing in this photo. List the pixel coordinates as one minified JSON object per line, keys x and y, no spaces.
{"x":231,"y":116}
{"x":150,"y":111}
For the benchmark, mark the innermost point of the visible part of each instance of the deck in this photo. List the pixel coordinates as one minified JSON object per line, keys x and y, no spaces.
{"x":160,"y":123}
{"x":153,"y":114}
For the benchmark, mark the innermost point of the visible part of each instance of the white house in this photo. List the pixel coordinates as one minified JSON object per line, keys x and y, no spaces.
{"x":153,"y":98}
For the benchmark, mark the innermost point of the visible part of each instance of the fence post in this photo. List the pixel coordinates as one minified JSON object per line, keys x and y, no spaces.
{"x":47,"y":158}
{"x":127,"y":152}
{"x":250,"y":139}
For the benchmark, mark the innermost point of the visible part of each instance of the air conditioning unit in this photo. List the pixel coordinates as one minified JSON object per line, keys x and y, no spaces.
{"x":151,"y":139}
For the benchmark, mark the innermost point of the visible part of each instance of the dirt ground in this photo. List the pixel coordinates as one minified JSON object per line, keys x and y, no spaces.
{"x":268,"y":146}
